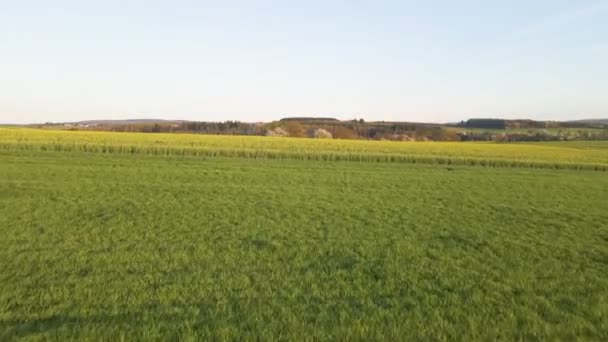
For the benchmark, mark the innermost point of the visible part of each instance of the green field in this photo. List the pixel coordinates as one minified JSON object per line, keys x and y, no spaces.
{"x":109,"y":236}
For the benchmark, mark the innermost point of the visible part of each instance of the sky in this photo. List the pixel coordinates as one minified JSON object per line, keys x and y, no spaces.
{"x":431,"y":61}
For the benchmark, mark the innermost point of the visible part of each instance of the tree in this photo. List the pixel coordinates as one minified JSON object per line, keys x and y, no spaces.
{"x":322,"y":134}
{"x":295,"y":129}
{"x":277,"y":132}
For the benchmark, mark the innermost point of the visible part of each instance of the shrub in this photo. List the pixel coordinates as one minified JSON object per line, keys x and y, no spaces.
{"x":322,"y":134}
{"x":277,"y":132}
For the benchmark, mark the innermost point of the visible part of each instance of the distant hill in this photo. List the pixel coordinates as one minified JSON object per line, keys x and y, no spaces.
{"x":309,"y":119}
{"x":532,"y":124}
{"x":476,"y":129}
{"x":126,"y":122}
{"x":487,"y":123}
{"x":592,"y":121}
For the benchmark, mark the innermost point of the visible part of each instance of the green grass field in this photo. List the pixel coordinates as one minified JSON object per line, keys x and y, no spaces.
{"x":110,"y":242}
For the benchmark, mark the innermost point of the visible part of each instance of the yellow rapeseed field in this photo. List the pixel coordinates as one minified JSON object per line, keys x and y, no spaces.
{"x":574,"y":155}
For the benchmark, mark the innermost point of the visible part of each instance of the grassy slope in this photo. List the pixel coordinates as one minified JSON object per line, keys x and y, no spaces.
{"x":154,"y":247}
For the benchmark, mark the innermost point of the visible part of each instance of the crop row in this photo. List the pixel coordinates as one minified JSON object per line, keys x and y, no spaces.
{"x":315,"y":155}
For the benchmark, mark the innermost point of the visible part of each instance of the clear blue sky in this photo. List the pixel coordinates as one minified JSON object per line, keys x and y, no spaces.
{"x":262,"y":60}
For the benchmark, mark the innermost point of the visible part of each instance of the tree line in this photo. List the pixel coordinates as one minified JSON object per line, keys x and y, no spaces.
{"x":472,"y":130}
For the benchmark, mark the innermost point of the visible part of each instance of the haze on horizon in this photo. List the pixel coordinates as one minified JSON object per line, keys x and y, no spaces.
{"x":433,"y":61}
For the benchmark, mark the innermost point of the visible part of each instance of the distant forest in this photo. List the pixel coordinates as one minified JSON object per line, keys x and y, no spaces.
{"x":301,"y":127}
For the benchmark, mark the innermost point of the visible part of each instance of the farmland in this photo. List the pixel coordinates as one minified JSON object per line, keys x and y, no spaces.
{"x":111,"y":236}
{"x":542,"y":155}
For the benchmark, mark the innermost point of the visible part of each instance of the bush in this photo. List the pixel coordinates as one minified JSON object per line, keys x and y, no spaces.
{"x":322,"y":134}
{"x":277,"y":132}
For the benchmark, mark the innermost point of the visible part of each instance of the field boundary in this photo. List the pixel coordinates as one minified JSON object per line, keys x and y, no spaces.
{"x":296,"y":155}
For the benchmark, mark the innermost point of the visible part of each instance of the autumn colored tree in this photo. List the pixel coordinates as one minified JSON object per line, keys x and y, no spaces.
{"x":295,"y":129}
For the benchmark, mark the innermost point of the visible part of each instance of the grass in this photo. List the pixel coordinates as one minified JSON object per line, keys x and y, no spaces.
{"x":108,"y":246}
